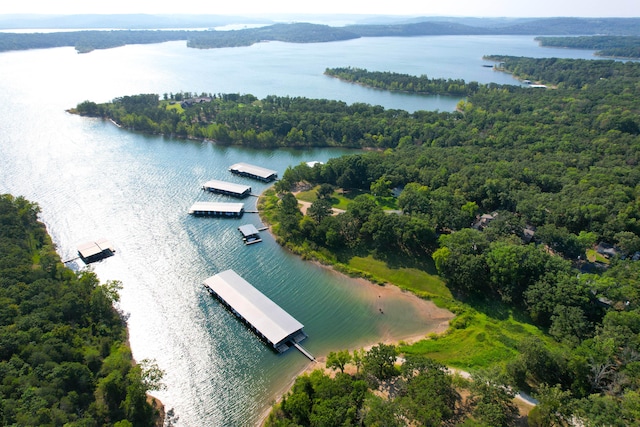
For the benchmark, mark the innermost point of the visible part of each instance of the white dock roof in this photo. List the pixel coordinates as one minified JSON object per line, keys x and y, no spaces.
{"x":235,"y":208}
{"x":253,"y":306}
{"x":227,"y":186}
{"x":248,"y":230}
{"x":89,"y":249}
{"x":253,"y":170}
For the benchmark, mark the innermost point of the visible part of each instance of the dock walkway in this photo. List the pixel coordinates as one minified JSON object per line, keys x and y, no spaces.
{"x":305,"y":352}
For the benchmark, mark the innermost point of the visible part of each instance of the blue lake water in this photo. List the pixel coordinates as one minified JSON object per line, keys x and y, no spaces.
{"x":93,"y":180}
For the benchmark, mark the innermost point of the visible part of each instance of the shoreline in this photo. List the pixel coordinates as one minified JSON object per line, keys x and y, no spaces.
{"x":155,"y":402}
{"x":426,"y":309}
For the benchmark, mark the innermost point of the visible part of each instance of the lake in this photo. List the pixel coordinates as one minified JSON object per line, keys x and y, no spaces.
{"x":93,"y":179}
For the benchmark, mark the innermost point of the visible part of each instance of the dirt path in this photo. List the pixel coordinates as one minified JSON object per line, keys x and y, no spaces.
{"x":305,"y":205}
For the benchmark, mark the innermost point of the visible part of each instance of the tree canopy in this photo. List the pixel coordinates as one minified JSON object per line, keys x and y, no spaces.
{"x":63,"y":353}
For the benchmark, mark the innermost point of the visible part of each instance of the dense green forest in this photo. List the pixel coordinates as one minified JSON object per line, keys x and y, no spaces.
{"x":371,"y":388}
{"x":86,"y":41}
{"x":543,"y":26}
{"x":291,"y":33}
{"x":274,"y":121}
{"x":576,"y":74}
{"x":421,"y":392}
{"x":64,"y":357}
{"x":422,"y":85}
{"x":613,"y":46}
{"x":510,"y":201}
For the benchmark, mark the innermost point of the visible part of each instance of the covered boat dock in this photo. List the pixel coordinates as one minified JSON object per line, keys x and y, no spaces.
{"x":255,"y":172}
{"x":217,"y":209}
{"x":227,"y":188}
{"x":250,"y":234}
{"x":95,"y":250}
{"x":263,"y":316}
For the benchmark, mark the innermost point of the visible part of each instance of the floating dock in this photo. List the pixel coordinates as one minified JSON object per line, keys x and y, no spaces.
{"x":263,"y":316}
{"x":255,"y":172}
{"x":95,"y":250}
{"x":250,"y":234}
{"x":217,"y":209}
{"x":227,"y":188}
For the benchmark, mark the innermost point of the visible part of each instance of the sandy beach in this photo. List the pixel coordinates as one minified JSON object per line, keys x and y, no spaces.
{"x":384,"y":300}
{"x":435,"y":320}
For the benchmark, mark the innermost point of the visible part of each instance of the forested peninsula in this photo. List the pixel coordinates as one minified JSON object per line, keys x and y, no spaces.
{"x":64,"y":355}
{"x":398,"y":82}
{"x":86,"y":41}
{"x":611,"y":46}
{"x":520,"y":212}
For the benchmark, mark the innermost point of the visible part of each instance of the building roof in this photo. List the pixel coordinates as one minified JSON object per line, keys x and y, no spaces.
{"x":89,"y":249}
{"x":253,"y":170}
{"x":95,"y":248}
{"x":253,"y":306}
{"x":248,"y":230}
{"x":217,"y":207}
{"x":229,"y":187}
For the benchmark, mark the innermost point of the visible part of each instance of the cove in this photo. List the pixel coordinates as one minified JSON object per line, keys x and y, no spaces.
{"x":92,"y":179}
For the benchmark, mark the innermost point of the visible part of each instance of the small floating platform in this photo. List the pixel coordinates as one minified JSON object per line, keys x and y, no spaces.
{"x":250,"y":234}
{"x":95,"y":250}
{"x":263,"y":316}
{"x":255,"y":172}
{"x":217,"y":209}
{"x":227,"y":188}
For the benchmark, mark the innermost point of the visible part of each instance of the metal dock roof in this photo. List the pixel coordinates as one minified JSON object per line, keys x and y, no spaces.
{"x":251,"y":170}
{"x":248,"y":230}
{"x":217,"y":208}
{"x":226,"y":187}
{"x":93,"y":250}
{"x":252,"y":306}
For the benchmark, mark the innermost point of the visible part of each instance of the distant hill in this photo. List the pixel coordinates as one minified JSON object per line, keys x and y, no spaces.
{"x":477,"y":26}
{"x":86,"y":41}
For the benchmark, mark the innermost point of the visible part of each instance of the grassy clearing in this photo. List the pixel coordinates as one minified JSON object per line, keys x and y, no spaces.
{"x":341,"y":199}
{"x":412,"y":279}
{"x":174,"y":106}
{"x":594,"y":256}
{"x":475,"y":340}
{"x":267,"y":204}
{"x":483,"y":333}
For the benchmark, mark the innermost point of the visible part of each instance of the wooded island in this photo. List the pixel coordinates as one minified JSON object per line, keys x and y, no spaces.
{"x":621,"y":40}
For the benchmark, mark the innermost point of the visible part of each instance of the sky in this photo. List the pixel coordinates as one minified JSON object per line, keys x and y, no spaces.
{"x":474,"y":8}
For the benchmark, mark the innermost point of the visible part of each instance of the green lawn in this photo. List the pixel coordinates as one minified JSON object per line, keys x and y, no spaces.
{"x":309,"y":195}
{"x":412,"y":279}
{"x":175,"y":106}
{"x":593,"y":256}
{"x":341,"y":199}
{"x":482,"y":334}
{"x":476,"y":340}
{"x":478,"y":337}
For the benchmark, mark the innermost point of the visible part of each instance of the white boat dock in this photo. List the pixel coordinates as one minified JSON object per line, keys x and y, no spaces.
{"x":95,"y":250}
{"x":227,"y":188}
{"x":250,"y":234}
{"x":255,"y":172}
{"x":263,"y":316}
{"x":217,"y":209}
